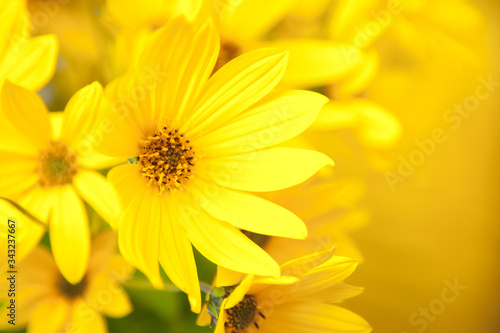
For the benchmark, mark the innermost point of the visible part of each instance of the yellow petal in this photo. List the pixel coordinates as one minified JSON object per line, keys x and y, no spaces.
{"x":27,"y":113}
{"x":204,"y":318}
{"x":220,"y":328}
{"x":10,"y":13}
{"x":235,"y":87}
{"x":176,"y":254}
{"x":27,"y":232}
{"x":317,"y":62}
{"x":250,"y":19}
{"x":96,"y":191}
{"x":127,"y":182}
{"x":175,"y":65}
{"x":16,"y":174}
{"x":139,"y":233}
{"x":249,"y":212}
{"x":115,"y":303}
{"x":277,"y":118}
{"x":38,"y":64}
{"x":227,"y":277}
{"x":322,"y":277}
{"x":314,"y":317}
{"x":49,"y":317}
{"x":223,"y":244}
{"x":70,"y":235}
{"x":121,"y":118}
{"x":39,"y":201}
{"x":375,"y":125}
{"x":86,"y":320}
{"x":80,"y":113}
{"x":266,"y":170}
{"x":239,"y":292}
{"x":362,"y":77}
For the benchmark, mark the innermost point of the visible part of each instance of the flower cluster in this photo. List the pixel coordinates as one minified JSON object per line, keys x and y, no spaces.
{"x":203,"y":143}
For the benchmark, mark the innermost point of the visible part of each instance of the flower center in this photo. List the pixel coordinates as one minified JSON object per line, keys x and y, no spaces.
{"x":167,"y":159}
{"x":56,"y":165}
{"x":229,"y":49}
{"x":242,"y":315}
{"x":71,"y":290}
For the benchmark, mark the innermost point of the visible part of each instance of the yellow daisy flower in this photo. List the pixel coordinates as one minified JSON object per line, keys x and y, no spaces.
{"x":300,"y":301}
{"x":197,"y":143}
{"x":48,"y":164}
{"x":29,"y":62}
{"x":47,"y":303}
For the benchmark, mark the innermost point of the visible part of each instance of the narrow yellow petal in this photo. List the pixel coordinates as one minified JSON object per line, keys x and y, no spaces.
{"x":266,"y":170}
{"x":316,"y":62}
{"x":251,"y":19}
{"x":85,"y":319}
{"x":227,"y":277}
{"x":240,"y":291}
{"x":127,"y":181}
{"x":174,"y":68}
{"x":70,"y":235}
{"x":121,"y":121}
{"x":314,"y":317}
{"x":277,"y":118}
{"x":16,"y":174}
{"x":235,"y":87}
{"x":374,"y":124}
{"x":176,"y":254}
{"x":26,"y":111}
{"x":139,"y":233}
{"x":80,"y":113}
{"x":249,"y":212}
{"x":27,"y":232}
{"x":50,"y":316}
{"x":98,"y":193}
{"x":39,"y":58}
{"x":225,"y":245}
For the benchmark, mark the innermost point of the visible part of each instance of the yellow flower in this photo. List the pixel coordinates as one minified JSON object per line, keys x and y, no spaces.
{"x":197,"y":145}
{"x":47,"y":302}
{"x":19,"y":234}
{"x":300,"y":301}
{"x":29,"y":62}
{"x":47,"y":167}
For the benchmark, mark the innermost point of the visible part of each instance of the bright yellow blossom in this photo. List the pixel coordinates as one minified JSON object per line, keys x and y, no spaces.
{"x":197,"y":143}
{"x":29,"y":62}
{"x":48,"y":165}
{"x":300,"y":301}
{"x":47,"y":303}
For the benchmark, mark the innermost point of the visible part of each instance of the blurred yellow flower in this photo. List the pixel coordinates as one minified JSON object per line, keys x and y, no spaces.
{"x":48,"y":303}
{"x":300,"y":301}
{"x":196,"y":146}
{"x":29,"y":62}
{"x":48,"y":165}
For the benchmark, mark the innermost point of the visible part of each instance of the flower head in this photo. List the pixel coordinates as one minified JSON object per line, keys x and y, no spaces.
{"x":47,"y":302}
{"x":300,"y":301}
{"x":197,"y":144}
